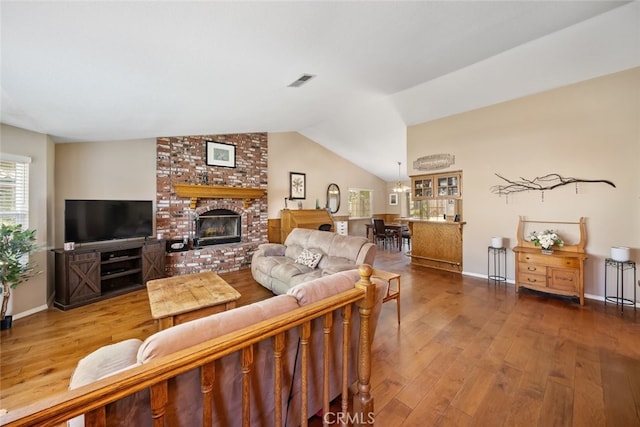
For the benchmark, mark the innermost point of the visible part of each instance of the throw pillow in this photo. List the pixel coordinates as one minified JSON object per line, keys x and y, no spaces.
{"x":308,"y":258}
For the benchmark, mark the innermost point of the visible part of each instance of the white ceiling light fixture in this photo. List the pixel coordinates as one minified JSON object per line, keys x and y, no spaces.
{"x":302,"y":80}
{"x":399,"y":187}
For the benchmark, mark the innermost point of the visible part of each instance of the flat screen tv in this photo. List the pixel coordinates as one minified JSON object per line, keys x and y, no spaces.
{"x":98,"y":220}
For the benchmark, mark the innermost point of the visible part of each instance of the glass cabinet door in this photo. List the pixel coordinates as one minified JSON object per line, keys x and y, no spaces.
{"x":422,"y":188}
{"x":449,"y":186}
{"x":445,"y":185}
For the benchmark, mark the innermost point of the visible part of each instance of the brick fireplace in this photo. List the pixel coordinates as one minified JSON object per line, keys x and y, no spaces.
{"x":182,"y":160}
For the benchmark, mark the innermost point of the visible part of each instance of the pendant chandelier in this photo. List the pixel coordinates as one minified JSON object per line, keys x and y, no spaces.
{"x":399,"y":187}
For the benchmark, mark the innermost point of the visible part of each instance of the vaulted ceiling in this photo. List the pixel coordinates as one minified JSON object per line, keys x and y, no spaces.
{"x":99,"y":71}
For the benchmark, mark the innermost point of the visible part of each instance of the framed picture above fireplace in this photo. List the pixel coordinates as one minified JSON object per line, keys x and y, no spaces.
{"x":221,"y":154}
{"x":297,"y":185}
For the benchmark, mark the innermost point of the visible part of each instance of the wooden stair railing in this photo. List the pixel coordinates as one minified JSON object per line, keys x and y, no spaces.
{"x":92,"y":399}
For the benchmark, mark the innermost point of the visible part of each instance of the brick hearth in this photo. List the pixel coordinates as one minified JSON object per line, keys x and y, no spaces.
{"x":182,"y":160}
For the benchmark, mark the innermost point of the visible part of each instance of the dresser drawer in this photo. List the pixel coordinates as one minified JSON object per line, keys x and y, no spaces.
{"x":342,"y":227}
{"x":532,"y":268}
{"x":563,"y":279}
{"x":532,"y":279}
{"x":549,"y":260}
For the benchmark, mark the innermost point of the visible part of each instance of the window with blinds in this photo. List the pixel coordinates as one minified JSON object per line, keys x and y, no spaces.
{"x":14,"y":190}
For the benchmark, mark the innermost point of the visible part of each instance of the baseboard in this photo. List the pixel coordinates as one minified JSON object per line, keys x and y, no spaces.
{"x":34,"y":310}
{"x":601,"y":298}
{"x":484,"y":276}
{"x":512,"y":282}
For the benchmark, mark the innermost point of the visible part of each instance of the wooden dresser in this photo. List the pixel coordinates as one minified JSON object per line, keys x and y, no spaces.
{"x":302,"y":218}
{"x":560,"y":273}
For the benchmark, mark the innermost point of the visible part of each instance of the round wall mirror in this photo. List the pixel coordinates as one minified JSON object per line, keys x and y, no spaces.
{"x":333,"y":198}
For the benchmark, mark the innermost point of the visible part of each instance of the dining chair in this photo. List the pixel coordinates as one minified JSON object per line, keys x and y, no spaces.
{"x":406,"y":235}
{"x":381,"y":233}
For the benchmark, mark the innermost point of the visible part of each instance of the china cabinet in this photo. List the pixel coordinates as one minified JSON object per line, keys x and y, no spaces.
{"x":444,"y":185}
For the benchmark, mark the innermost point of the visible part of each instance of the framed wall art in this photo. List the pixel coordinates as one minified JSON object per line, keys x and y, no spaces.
{"x":297,"y":185}
{"x":393,"y":199}
{"x":221,"y":154}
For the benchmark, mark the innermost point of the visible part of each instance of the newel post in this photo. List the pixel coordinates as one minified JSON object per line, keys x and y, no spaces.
{"x":363,"y":401}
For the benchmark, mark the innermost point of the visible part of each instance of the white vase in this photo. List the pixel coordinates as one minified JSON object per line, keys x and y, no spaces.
{"x":497,"y":242}
{"x":620,"y":253}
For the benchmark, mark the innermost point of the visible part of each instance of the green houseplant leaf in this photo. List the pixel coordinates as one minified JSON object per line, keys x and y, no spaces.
{"x":15,"y":267}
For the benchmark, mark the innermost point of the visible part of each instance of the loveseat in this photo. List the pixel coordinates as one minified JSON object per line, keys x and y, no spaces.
{"x":184,"y":390}
{"x":306,"y":255}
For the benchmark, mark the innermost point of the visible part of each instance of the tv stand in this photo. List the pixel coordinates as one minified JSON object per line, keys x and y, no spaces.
{"x":96,"y":272}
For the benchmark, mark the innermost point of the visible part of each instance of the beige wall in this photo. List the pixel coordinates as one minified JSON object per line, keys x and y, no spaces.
{"x":32,"y":295}
{"x":589,"y":130}
{"x":103,"y":170}
{"x":292,"y":152}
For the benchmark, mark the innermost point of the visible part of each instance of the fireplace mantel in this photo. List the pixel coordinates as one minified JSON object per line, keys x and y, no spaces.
{"x":195,"y":192}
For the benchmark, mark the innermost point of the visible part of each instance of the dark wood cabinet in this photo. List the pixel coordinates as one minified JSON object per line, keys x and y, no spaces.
{"x":153,"y":260}
{"x":81,"y":273}
{"x":100,"y":271}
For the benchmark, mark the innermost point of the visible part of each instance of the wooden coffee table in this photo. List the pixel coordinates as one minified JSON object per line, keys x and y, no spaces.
{"x":178,"y":299}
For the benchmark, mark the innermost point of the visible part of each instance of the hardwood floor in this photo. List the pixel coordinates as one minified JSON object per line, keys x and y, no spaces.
{"x":466,"y":352}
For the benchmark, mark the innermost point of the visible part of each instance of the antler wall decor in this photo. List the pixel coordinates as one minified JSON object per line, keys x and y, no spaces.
{"x":540,"y":183}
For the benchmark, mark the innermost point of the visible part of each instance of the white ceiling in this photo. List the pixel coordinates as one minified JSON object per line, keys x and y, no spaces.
{"x":98,"y":71}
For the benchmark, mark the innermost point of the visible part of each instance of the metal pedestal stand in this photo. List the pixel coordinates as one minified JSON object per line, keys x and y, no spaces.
{"x":496,"y":271}
{"x":620,"y":268}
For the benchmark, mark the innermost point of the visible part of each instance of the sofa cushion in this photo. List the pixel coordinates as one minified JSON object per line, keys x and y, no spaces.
{"x":315,"y":290}
{"x":292,"y":252}
{"x":272,"y":249}
{"x":309,"y":257}
{"x":321,"y":241}
{"x":333,"y":261}
{"x":105,"y":361}
{"x":285,"y":272}
{"x":279,"y":288}
{"x":347,"y":247}
{"x":267,"y":263}
{"x":197,"y":331}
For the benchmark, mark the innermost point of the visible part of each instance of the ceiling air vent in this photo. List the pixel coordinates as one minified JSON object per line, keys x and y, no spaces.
{"x":302,"y":80}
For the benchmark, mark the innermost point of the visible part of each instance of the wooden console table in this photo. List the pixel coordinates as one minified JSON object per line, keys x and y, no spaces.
{"x":560,"y":273}
{"x":178,"y":299}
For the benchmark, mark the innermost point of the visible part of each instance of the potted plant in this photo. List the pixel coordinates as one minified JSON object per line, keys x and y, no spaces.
{"x":15,"y":268}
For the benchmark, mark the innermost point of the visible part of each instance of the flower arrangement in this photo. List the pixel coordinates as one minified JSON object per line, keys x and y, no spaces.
{"x":545,"y":239}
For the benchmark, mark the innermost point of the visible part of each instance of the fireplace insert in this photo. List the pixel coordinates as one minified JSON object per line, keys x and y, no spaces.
{"x":218,"y":226}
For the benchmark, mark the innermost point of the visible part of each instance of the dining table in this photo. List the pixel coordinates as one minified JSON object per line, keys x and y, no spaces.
{"x":397,"y":228}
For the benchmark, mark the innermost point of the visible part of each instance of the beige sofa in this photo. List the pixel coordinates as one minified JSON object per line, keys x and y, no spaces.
{"x":278,"y":267}
{"x":185,"y":406}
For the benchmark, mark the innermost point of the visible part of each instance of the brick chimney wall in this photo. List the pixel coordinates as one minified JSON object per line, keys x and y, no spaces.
{"x":182,"y":160}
